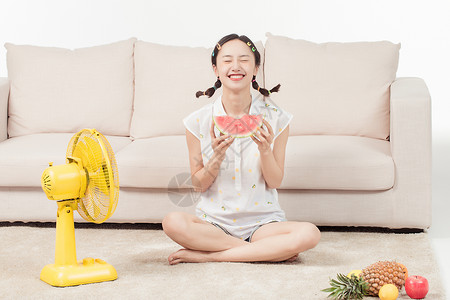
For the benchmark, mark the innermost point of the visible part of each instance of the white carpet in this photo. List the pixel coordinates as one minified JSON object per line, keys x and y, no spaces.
{"x":140,"y":258}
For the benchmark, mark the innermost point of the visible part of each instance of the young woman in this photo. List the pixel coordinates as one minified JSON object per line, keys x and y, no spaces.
{"x":238,"y":218}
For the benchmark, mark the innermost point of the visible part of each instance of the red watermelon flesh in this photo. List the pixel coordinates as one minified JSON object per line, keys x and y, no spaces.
{"x":239,"y":128}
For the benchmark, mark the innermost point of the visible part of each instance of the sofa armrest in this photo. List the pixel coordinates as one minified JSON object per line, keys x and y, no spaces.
{"x":410,"y":129}
{"x":4,"y":95}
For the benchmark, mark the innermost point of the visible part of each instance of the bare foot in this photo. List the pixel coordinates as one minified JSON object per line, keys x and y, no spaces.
{"x":195,"y":256}
{"x":190,"y":256}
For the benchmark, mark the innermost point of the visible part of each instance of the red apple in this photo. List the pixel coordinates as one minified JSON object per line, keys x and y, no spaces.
{"x":416,"y":287}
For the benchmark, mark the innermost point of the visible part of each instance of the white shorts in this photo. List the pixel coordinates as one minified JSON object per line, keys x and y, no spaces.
{"x":249,"y":238}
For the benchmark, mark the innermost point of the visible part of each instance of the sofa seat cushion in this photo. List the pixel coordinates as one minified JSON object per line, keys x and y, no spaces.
{"x":312,"y":162}
{"x":153,"y":162}
{"x":338,"y":163}
{"x":24,"y":158}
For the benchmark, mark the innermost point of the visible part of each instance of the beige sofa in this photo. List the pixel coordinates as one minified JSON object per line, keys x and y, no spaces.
{"x":359,"y":152}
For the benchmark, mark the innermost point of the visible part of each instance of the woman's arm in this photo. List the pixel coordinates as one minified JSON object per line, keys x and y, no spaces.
{"x":202,"y":175}
{"x":272,"y":161}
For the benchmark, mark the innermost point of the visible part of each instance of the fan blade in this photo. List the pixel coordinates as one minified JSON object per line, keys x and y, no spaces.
{"x":95,"y":152}
{"x":80,"y":151}
{"x":100,"y":179}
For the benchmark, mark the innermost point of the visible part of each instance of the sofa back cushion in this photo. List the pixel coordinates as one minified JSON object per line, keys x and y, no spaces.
{"x":333,"y":88}
{"x":62,"y":90}
{"x":167,"y":78}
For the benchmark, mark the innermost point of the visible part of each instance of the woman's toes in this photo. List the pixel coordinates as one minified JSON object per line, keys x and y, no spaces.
{"x":174,"y":261}
{"x":293,"y":258}
{"x":171,"y":259}
{"x":174,"y":257}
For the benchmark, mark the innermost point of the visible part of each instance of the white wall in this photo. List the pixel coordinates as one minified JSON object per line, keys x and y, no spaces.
{"x":422,"y":27}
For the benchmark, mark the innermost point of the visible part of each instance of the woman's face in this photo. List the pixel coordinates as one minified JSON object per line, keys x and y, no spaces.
{"x":235,"y":66}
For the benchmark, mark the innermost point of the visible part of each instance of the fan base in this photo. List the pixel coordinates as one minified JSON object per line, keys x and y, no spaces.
{"x":88,"y":270}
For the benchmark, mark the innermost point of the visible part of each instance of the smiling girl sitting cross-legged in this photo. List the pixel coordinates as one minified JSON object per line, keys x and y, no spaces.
{"x":238,"y":218}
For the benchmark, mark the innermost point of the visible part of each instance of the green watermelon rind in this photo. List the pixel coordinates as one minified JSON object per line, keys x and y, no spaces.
{"x":250,"y":133}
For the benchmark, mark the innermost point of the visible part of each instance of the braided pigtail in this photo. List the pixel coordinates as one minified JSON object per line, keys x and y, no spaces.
{"x":209,"y":92}
{"x":264,"y":91}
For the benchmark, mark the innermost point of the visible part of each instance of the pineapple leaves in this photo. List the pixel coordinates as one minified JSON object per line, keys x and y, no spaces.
{"x":347,"y":288}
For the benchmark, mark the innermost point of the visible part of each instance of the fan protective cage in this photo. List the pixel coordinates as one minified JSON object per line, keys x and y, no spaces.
{"x":102,"y":190}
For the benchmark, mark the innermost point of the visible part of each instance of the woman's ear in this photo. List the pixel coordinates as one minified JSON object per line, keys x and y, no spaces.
{"x":256,"y":71}
{"x":215,"y":70}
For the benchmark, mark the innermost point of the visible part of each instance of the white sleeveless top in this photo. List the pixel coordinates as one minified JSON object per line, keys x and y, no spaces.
{"x":239,"y":199}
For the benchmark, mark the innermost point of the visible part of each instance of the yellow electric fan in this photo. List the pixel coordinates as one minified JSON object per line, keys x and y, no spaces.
{"x":89,"y":183}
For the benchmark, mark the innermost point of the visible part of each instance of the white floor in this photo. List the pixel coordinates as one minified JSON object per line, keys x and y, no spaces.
{"x":440,"y":228}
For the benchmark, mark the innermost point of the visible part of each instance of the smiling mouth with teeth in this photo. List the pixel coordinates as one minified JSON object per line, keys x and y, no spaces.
{"x":236,"y":77}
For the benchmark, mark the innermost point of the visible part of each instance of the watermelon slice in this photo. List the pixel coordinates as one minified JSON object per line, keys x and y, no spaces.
{"x":239,"y":128}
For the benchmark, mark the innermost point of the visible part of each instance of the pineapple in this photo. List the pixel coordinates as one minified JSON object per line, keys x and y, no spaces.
{"x":369,"y":282}
{"x":384,"y":272}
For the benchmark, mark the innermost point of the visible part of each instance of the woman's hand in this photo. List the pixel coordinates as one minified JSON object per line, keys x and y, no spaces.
{"x":220,"y":144}
{"x":264,"y":138}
